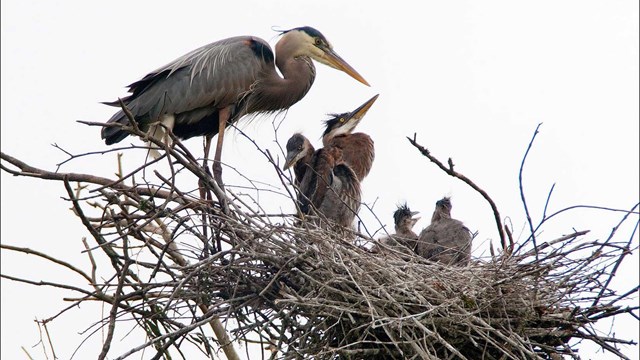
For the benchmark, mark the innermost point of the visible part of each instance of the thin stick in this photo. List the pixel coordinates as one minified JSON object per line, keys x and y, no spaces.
{"x":524,"y":201}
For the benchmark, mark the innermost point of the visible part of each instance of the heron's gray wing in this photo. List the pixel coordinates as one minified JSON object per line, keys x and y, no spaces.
{"x":215,"y":75}
{"x":342,"y":198}
{"x":317,"y":178}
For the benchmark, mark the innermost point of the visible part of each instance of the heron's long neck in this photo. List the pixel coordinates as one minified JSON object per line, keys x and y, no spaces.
{"x":300,"y":168}
{"x":440,"y":214}
{"x":405,"y":229}
{"x":276,"y":93}
{"x":358,"y":152}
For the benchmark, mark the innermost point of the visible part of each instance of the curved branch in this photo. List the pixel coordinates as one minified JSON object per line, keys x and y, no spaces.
{"x":449,"y":170}
{"x":524,"y":201}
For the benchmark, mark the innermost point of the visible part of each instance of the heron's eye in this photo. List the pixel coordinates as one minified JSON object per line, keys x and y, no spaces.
{"x":318,"y":42}
{"x":342,"y":120}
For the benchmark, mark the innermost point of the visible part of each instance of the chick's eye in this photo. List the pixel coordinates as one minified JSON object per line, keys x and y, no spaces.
{"x":341,"y":120}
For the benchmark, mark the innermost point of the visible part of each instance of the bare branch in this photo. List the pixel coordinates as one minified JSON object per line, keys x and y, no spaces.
{"x":449,"y":170}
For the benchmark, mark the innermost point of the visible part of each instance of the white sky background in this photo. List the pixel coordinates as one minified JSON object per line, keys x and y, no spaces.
{"x":472,"y":80}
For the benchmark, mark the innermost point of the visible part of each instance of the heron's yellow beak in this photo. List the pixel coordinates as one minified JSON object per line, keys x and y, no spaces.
{"x":359,"y":113}
{"x":334,"y":60}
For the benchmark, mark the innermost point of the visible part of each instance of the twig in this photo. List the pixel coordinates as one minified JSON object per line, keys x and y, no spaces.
{"x":112,"y":314}
{"x":524,"y":201}
{"x":449,"y":170}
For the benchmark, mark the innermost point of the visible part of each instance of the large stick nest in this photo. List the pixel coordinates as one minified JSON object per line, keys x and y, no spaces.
{"x":318,"y":295}
{"x":180,"y":262}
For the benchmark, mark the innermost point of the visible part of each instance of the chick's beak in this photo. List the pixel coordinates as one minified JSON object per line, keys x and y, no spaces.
{"x":290,"y":160}
{"x":334,"y":60}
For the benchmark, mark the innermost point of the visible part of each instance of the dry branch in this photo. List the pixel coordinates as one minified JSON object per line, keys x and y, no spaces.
{"x":449,"y":170}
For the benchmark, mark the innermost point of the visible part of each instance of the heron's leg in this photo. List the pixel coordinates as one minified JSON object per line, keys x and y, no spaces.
{"x":207,"y":147}
{"x":223,"y":117}
{"x":205,"y":195}
{"x":207,"y":150}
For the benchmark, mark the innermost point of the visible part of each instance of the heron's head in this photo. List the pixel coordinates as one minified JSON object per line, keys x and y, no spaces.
{"x":307,"y":41}
{"x":404,"y":217}
{"x":343,"y":124}
{"x":444,"y":204}
{"x":298,"y":147}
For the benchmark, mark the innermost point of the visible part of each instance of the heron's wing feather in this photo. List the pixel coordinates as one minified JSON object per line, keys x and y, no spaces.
{"x":347,"y":190}
{"x":316,"y":179}
{"x":341,"y":201}
{"x":212,"y":76}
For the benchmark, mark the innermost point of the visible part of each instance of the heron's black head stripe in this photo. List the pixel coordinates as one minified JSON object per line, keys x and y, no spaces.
{"x":311,"y":32}
{"x":333,"y":122}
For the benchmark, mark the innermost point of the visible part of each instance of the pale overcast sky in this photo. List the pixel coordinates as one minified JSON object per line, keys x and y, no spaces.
{"x":472,"y":79}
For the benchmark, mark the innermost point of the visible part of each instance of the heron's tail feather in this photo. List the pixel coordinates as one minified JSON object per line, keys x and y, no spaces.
{"x":112,"y":134}
{"x":116,"y":103}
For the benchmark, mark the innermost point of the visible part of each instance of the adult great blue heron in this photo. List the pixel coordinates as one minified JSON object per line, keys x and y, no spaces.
{"x":203,"y":91}
{"x":445,"y":240}
{"x":327,"y":178}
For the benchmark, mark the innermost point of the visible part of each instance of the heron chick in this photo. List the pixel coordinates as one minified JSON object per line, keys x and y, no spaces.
{"x":327,"y":187}
{"x":205,"y":90}
{"x":329,"y":178}
{"x":404,"y":238}
{"x":357,"y":148}
{"x":445,"y":240}
{"x":299,"y":155}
